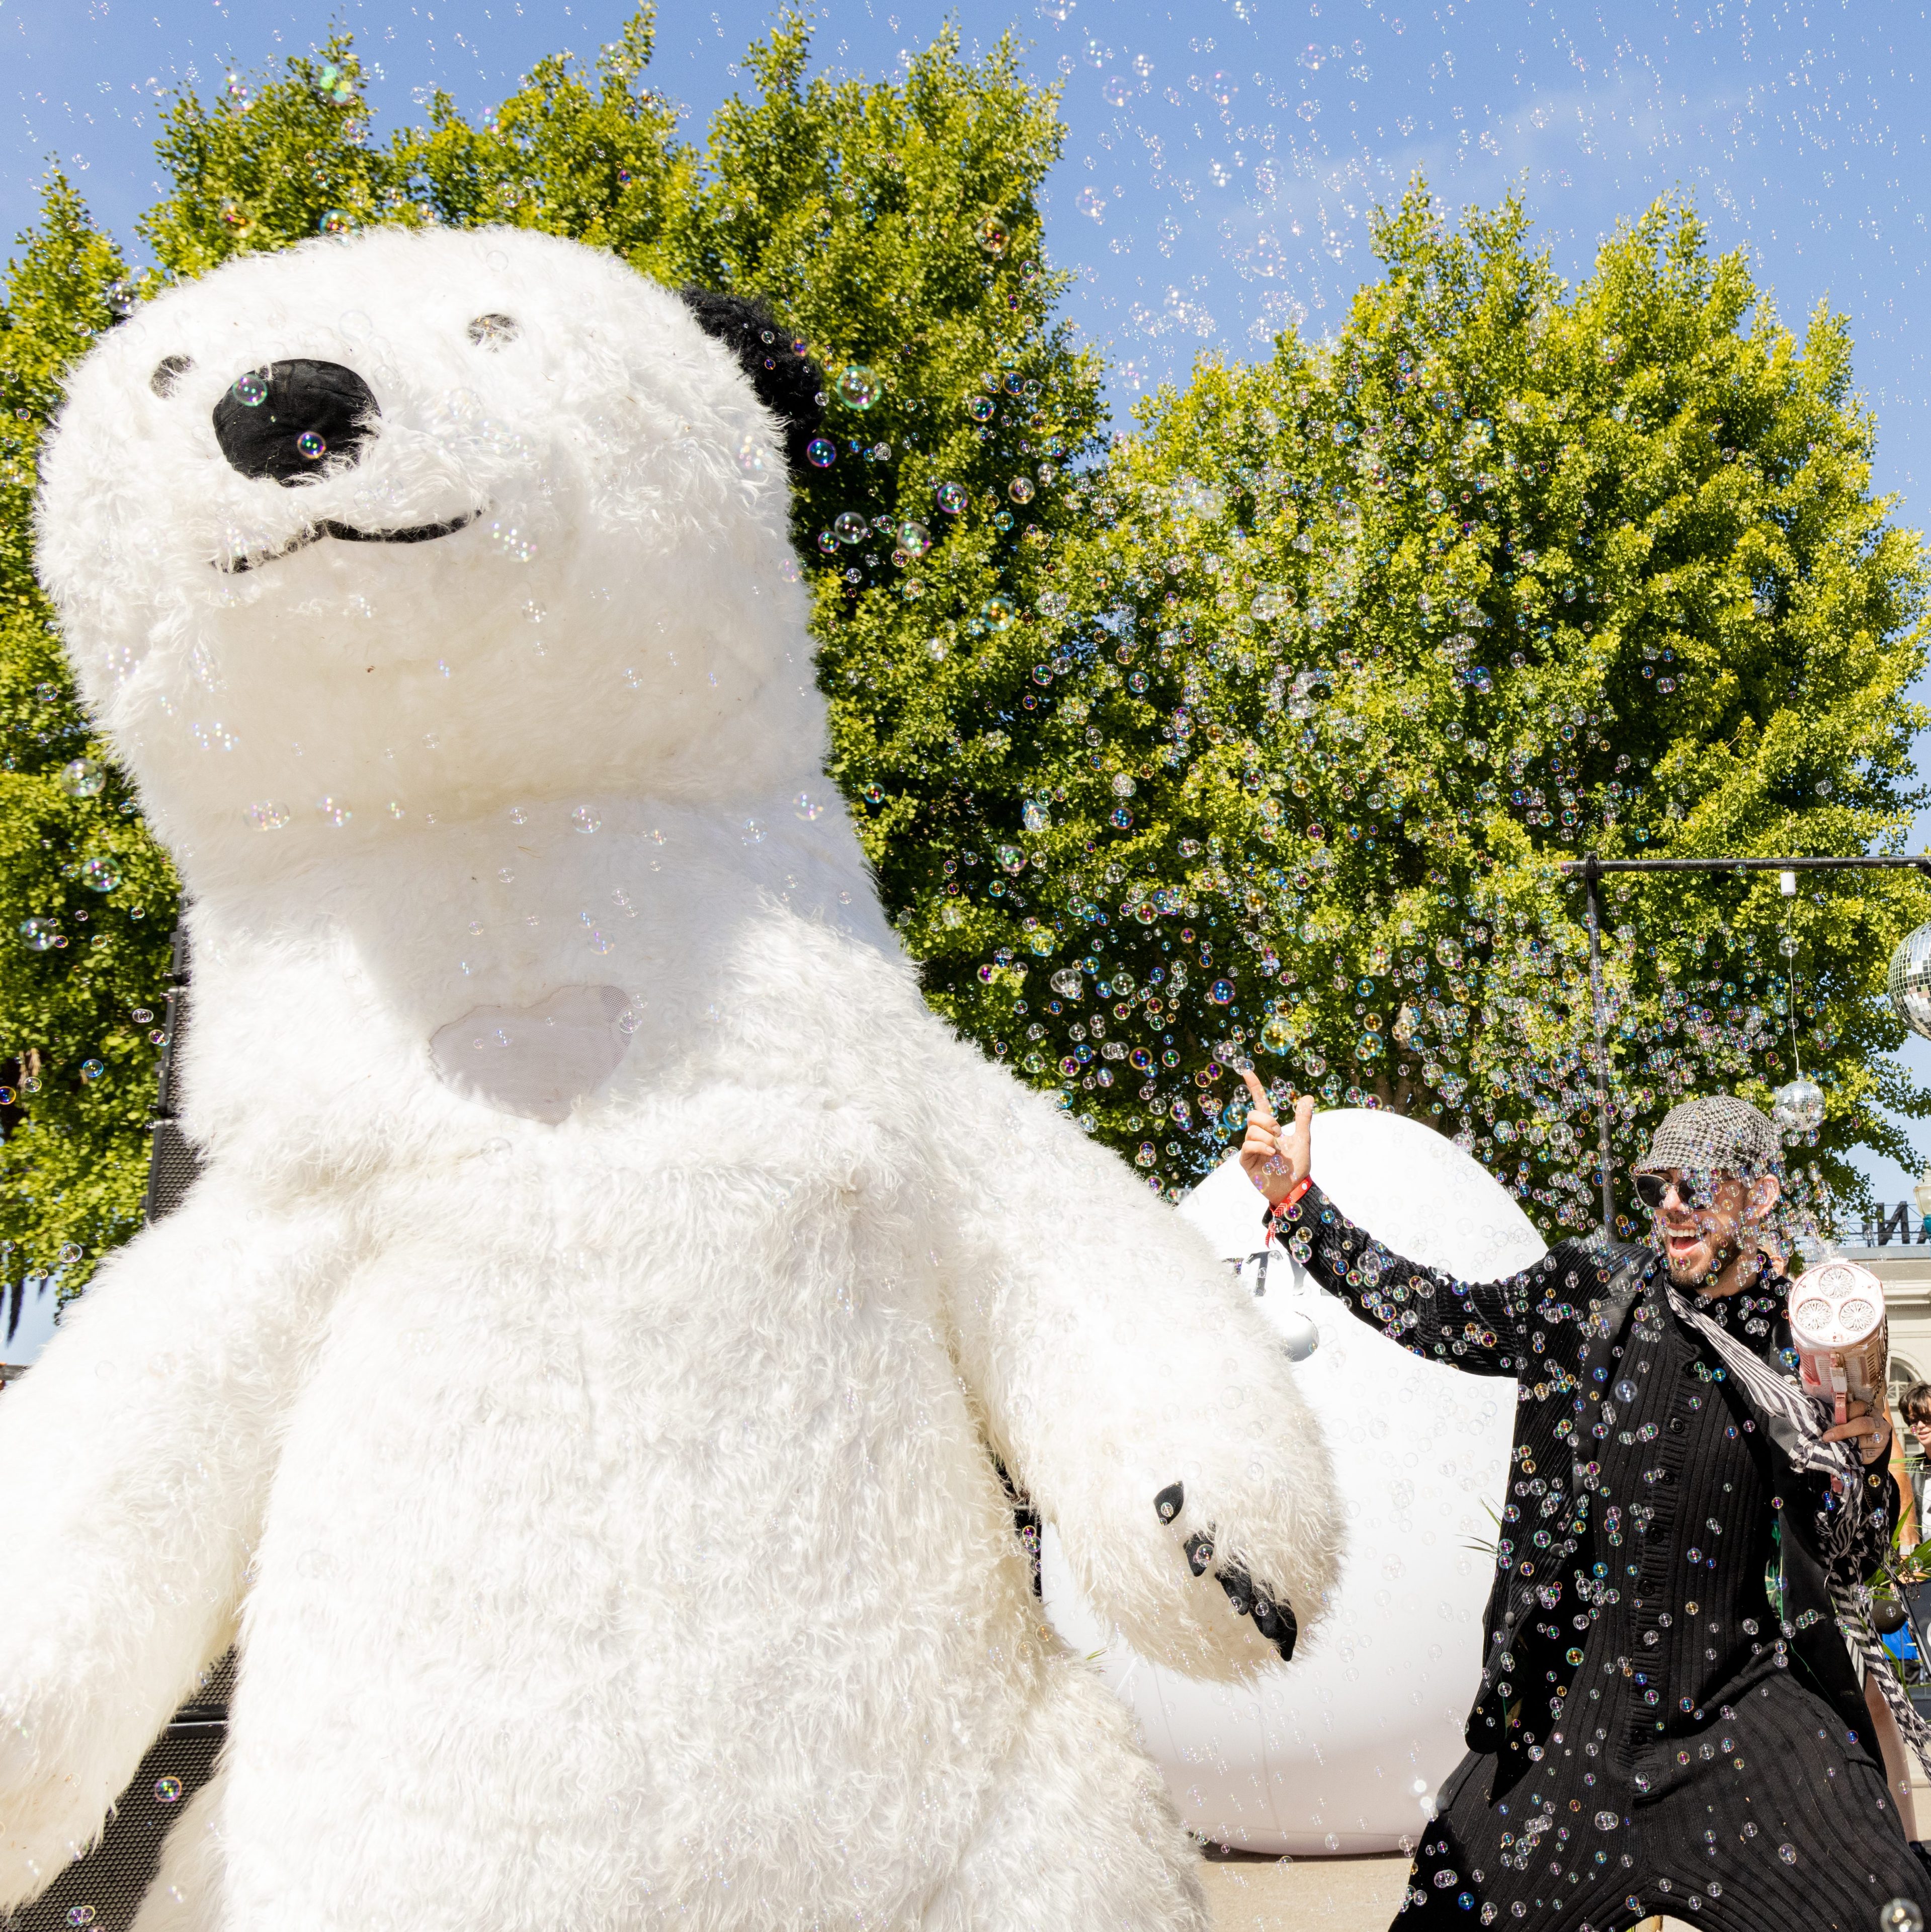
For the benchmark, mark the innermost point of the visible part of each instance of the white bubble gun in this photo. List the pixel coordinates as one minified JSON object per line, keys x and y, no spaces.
{"x":1837,"y":1323}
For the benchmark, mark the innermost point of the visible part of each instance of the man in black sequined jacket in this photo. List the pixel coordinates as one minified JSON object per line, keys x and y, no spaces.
{"x":1668,"y":1712}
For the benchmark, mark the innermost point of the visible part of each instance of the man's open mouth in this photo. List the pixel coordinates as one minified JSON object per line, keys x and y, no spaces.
{"x":346,"y":533}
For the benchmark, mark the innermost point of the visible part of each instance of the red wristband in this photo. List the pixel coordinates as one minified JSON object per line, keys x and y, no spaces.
{"x":1291,"y":1199}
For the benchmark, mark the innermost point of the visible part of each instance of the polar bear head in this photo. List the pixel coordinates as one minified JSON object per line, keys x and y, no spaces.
{"x":408,"y":527}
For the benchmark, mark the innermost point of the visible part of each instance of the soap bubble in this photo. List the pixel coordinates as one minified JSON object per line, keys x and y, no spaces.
{"x":334,"y":221}
{"x":99,"y":875}
{"x":1011,"y":857}
{"x":1900,"y":1915}
{"x":333,"y":811}
{"x":808,"y":805}
{"x":1020,"y":490}
{"x":951,"y":497}
{"x":856,"y":387}
{"x":821,"y":452}
{"x":992,"y":235}
{"x":848,"y":526}
{"x":251,"y":389}
{"x":584,"y":819}
{"x":167,"y":1790}
{"x":1220,"y":992}
{"x":1035,"y":816}
{"x":39,"y":934}
{"x":83,"y":778}
{"x":979,"y":408}
{"x":1118,"y":91}
{"x":751,"y":454}
{"x":1067,"y":983}
{"x":914,"y":539}
{"x":511,"y":541}
{"x":1122,"y":817}
{"x":90,"y":1070}
{"x":998,"y":611}
{"x":267,"y":816}
{"x":752,"y":832}
{"x":1787,"y":1853}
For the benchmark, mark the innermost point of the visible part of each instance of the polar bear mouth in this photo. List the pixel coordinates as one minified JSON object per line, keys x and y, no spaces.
{"x":233,"y":566}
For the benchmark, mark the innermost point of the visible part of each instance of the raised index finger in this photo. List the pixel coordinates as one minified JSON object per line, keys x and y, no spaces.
{"x":1263,"y":1106}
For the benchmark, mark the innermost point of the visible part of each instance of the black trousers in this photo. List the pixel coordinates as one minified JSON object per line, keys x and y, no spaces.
{"x":1791,"y":1829}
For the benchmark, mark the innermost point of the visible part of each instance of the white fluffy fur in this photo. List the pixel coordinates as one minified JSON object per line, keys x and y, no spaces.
{"x":604,"y":1507}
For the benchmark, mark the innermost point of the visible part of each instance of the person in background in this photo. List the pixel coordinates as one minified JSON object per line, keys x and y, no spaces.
{"x":1909,"y":1465}
{"x":1670,"y":1717}
{"x":1914,"y":1405}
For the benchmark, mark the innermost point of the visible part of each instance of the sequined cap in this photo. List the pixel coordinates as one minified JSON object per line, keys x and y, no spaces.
{"x":1717,"y":1133}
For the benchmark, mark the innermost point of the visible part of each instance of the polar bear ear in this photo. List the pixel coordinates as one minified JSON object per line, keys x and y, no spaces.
{"x":788,"y":382}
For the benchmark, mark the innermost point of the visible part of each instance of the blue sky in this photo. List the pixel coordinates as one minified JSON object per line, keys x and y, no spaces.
{"x":1222,"y":157}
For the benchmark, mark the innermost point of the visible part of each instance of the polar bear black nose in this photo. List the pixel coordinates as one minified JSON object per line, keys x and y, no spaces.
{"x":286,"y":421}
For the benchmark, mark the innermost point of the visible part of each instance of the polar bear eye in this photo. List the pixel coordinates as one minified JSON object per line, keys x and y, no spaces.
{"x":168,"y":371}
{"x":493,"y":330}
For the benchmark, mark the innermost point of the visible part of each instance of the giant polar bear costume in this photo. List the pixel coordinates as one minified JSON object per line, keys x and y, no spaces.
{"x":572,"y":1379}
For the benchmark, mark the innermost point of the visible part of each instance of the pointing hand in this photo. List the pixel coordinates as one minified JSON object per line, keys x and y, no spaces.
{"x":1276,"y":1159}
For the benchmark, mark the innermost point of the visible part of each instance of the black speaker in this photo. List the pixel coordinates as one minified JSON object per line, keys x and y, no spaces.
{"x":103,"y":1891}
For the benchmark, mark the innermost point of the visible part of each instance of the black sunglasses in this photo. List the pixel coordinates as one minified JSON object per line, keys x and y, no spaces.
{"x":1652,"y":1189}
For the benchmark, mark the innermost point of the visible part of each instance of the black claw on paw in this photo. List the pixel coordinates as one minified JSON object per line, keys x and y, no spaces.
{"x":1169,"y":1504}
{"x":1276,"y":1622}
{"x":1200,"y":1553}
{"x":1241,"y":1596}
{"x":1290,"y":1630}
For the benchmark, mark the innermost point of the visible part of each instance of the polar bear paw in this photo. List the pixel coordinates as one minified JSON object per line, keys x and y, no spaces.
{"x":1274,"y":1619}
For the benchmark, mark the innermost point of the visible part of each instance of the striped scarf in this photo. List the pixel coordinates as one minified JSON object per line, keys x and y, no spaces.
{"x":1771,"y":1393}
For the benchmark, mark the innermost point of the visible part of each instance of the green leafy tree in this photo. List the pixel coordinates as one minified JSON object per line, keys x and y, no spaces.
{"x":86,"y":898}
{"x":1372,"y":636}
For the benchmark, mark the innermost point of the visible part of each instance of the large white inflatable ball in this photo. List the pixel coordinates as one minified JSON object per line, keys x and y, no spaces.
{"x":1341,"y":1750}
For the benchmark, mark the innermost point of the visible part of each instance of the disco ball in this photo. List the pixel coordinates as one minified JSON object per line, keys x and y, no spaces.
{"x":1909,"y":981}
{"x":1798,"y":1108}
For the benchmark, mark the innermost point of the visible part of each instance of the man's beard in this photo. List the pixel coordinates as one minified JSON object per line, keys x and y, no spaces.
{"x":1691,"y":1277}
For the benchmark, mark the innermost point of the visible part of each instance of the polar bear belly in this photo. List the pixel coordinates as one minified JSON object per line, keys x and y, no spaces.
{"x":621,"y":1573}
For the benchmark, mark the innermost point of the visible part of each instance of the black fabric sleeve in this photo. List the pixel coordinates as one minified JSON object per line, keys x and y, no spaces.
{"x":1480,"y":1326}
